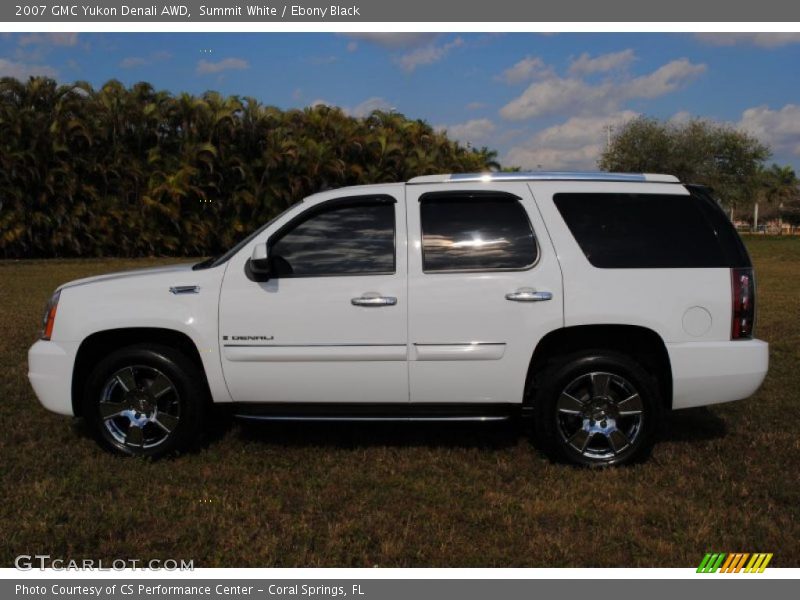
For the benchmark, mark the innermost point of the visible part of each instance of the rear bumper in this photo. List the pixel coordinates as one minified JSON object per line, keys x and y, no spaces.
{"x":712,"y":372}
{"x":50,"y":373}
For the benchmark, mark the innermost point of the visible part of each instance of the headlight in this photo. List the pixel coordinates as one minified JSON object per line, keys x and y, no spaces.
{"x":49,"y":318}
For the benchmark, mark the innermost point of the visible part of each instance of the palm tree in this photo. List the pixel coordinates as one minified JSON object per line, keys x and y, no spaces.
{"x":135,"y":171}
{"x":778,"y":185}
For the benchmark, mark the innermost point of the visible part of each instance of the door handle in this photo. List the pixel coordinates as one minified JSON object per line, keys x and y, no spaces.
{"x":373,"y":299}
{"x":529,"y":295}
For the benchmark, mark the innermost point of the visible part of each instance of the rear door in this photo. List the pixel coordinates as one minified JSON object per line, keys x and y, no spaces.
{"x":484,"y":287}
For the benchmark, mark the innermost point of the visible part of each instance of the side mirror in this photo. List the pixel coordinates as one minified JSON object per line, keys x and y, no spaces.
{"x":259,"y":262}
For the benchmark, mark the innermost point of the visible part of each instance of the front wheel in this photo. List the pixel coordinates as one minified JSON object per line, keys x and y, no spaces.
{"x":597,"y":408}
{"x":145,"y":400}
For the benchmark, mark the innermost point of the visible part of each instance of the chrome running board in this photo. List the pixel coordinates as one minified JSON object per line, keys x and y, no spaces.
{"x":375,"y":418}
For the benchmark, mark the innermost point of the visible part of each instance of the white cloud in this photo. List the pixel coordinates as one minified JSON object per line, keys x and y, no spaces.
{"x":364,"y":109}
{"x":681,"y":117}
{"x":778,"y":128}
{"x":427,"y":55}
{"x":419,"y":48}
{"x":49,"y":39}
{"x":585,"y":64}
{"x":472,"y":132}
{"x":572,"y":145}
{"x":558,"y":95}
{"x":664,"y":80}
{"x":393,"y":41}
{"x":525,"y":70}
{"x":476,"y":105}
{"x":206,"y":67}
{"x":573,"y":95}
{"x":20,"y":70}
{"x":368,"y":105}
{"x":762,"y":39}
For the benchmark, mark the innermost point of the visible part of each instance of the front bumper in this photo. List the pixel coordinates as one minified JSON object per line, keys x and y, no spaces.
{"x":712,"y":372}
{"x":50,"y":367}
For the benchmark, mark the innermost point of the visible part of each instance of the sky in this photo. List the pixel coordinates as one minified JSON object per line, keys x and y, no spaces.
{"x":543,"y":101}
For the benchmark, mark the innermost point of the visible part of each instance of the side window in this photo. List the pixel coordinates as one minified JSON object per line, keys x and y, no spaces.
{"x":345,"y":237}
{"x":634,"y":231}
{"x":475,"y":231}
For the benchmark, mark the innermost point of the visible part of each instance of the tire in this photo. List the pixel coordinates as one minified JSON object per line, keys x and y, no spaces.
{"x":145,"y":400}
{"x":596,"y":408}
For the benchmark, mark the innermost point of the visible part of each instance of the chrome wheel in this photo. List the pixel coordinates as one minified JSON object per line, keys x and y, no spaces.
{"x":599,"y":415}
{"x":139,"y":407}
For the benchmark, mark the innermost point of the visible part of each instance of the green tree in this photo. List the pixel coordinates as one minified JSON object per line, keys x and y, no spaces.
{"x":780,"y":192}
{"x":698,"y":151}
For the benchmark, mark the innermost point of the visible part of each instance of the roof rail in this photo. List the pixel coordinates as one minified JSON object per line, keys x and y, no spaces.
{"x":545,"y":176}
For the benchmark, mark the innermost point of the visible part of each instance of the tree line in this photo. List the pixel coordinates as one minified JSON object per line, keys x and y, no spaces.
{"x":132,"y":171}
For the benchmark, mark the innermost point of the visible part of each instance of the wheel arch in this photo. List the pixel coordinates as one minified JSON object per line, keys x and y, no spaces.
{"x":100,"y":343}
{"x":640,"y":343}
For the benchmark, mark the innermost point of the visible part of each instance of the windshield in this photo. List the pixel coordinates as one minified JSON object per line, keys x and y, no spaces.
{"x":215,"y":261}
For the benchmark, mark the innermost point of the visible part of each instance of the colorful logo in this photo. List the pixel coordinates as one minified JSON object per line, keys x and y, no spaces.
{"x":714,"y":562}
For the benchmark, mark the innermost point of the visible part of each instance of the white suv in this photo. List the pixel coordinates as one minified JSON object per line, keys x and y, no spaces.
{"x":592,"y":302}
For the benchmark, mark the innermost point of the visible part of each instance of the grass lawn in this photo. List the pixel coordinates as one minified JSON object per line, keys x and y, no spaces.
{"x":721,"y":479}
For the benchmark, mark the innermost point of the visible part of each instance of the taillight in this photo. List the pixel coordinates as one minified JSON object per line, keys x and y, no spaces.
{"x":49,"y":319}
{"x":743,"y":297}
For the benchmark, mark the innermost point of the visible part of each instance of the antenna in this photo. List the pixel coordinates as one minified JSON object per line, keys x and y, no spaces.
{"x":609,"y":128}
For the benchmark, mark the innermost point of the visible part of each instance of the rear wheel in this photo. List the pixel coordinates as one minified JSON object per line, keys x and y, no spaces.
{"x":597,"y":408}
{"x":145,"y":401}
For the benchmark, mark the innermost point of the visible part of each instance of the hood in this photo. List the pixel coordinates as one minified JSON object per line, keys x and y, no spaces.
{"x":129,"y":274}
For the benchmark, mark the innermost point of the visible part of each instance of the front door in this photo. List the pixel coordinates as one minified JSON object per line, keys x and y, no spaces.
{"x":330,"y":323}
{"x":484,"y":287}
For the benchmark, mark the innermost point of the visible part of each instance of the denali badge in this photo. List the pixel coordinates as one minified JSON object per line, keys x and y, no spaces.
{"x":249,"y":338}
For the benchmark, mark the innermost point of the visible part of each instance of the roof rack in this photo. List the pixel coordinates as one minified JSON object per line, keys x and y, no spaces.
{"x":545,"y":176}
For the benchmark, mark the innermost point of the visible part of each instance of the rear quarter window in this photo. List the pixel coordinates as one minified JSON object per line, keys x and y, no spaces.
{"x":630,"y":231}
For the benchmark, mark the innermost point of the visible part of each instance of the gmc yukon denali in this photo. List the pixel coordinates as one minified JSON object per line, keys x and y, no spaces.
{"x":590,"y":302}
